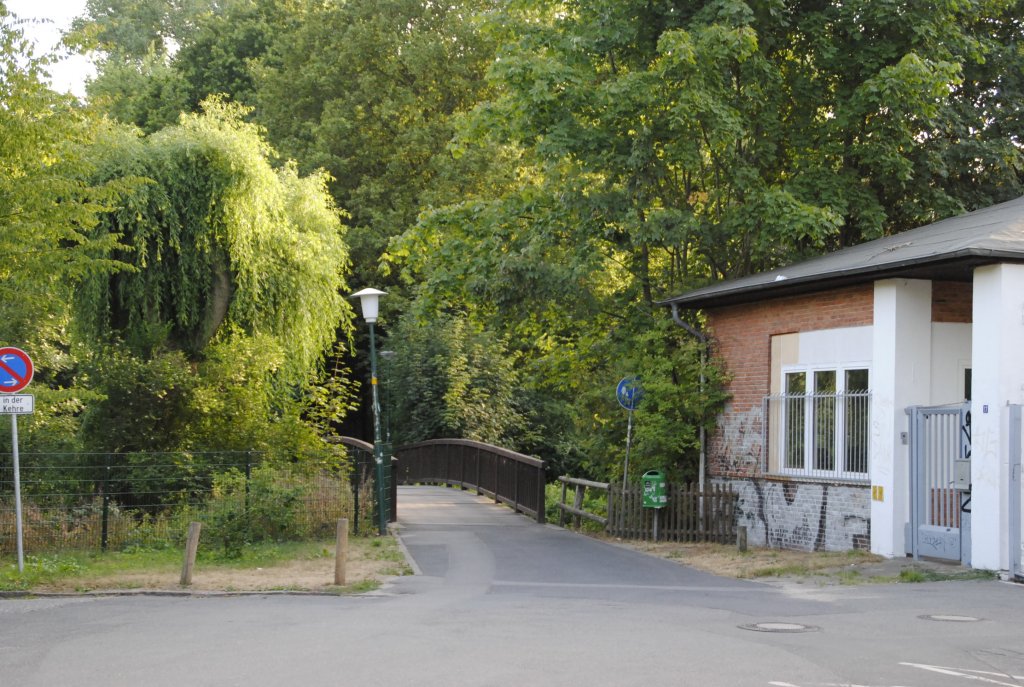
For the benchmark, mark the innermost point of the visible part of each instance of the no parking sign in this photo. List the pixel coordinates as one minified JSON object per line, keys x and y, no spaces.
{"x":16,"y":370}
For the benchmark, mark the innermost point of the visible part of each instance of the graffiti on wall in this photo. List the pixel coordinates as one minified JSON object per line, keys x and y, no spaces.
{"x":803,"y":516}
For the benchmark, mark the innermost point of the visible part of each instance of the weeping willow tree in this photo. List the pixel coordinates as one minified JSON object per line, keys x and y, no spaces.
{"x":233,"y":292}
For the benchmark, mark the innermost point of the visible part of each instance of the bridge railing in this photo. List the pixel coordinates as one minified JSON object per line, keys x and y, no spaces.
{"x":508,"y":477}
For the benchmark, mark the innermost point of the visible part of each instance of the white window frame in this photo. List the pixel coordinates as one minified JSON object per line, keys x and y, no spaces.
{"x":807,"y":400}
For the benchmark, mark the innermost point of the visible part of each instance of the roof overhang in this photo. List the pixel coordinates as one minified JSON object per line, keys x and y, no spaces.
{"x":949,"y":250}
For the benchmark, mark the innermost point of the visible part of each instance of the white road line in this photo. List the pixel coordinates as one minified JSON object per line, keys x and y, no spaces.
{"x":978,"y":675}
{"x":586,"y":585}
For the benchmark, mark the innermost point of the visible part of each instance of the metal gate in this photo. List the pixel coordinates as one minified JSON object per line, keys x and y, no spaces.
{"x":1016,"y":497}
{"x":940,"y":482}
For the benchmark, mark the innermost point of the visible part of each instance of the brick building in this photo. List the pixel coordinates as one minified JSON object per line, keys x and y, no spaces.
{"x":875,"y":393}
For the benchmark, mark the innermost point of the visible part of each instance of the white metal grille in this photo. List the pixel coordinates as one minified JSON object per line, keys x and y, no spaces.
{"x":819,"y":435}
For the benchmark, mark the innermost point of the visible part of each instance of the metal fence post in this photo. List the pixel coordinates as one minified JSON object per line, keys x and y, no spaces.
{"x":248,"y":478}
{"x":104,"y":539}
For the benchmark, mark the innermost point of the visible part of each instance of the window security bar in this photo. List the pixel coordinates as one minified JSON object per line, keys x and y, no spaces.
{"x":817,"y":435}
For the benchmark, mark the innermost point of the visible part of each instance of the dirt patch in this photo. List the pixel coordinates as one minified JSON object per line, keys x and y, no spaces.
{"x":803,"y":567}
{"x":367,"y":567}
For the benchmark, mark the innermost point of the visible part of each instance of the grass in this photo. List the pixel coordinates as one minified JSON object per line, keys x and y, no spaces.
{"x":914,"y":575}
{"x":84,"y":570}
{"x":844,"y":568}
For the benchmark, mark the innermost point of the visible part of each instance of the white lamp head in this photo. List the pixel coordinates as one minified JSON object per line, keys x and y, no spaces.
{"x":369,"y":301}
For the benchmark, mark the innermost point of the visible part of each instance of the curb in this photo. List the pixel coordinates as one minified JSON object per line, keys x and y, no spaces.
{"x":12,"y":595}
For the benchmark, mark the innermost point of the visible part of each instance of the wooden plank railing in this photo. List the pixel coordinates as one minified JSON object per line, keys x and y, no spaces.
{"x":576,"y":509}
{"x":689,"y":516}
{"x":508,"y":477}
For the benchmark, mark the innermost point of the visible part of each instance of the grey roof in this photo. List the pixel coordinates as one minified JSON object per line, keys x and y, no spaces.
{"x":946,"y":250}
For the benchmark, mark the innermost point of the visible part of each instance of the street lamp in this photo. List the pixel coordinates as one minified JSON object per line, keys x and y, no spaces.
{"x":389,"y":356}
{"x":369,"y":301}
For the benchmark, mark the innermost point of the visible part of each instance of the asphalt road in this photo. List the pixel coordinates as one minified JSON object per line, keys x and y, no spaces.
{"x":503,"y":601}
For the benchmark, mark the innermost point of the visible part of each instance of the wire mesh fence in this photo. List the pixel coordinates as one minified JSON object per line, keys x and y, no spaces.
{"x":122,"y":500}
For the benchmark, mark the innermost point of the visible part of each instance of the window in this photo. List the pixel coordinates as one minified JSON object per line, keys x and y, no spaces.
{"x":818,"y":426}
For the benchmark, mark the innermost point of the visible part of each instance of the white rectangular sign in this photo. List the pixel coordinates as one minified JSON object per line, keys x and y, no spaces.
{"x":17,"y":404}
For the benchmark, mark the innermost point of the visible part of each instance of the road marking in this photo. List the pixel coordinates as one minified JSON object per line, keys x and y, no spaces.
{"x":978,"y":675}
{"x":658,"y":587}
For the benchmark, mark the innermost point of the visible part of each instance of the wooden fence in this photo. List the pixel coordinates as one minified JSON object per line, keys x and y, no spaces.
{"x":689,"y":516}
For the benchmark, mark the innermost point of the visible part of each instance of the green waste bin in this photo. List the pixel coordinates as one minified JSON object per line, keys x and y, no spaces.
{"x":655,"y":489}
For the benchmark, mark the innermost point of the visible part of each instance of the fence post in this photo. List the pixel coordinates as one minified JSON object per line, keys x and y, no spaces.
{"x":354,"y":483}
{"x":393,"y":490}
{"x":561,"y":512}
{"x":104,"y":531}
{"x":497,"y":459}
{"x":191,"y":546}
{"x":248,"y":478}
{"x":341,"y":552}
{"x":577,"y":503}
{"x":542,"y":515}
{"x":515,"y":487}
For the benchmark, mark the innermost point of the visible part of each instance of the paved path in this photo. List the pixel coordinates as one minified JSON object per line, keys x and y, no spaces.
{"x":503,"y":601}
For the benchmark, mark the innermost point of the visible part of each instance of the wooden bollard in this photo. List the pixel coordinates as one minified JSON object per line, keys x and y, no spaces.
{"x":191,"y":547}
{"x":741,"y":538}
{"x":341,"y":552}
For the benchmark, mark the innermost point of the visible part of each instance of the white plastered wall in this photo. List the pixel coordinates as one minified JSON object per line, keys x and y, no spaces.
{"x":951,"y":357}
{"x":900,"y":377}
{"x":997,"y":380}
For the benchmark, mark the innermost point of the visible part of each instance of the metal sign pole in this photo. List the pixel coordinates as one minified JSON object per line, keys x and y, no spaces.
{"x":17,"y":493}
{"x":629,"y":441}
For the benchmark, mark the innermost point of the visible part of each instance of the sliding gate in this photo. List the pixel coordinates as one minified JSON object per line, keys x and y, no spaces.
{"x":940,"y":482}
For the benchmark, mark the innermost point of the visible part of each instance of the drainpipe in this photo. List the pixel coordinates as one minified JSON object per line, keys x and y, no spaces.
{"x":703,"y":360}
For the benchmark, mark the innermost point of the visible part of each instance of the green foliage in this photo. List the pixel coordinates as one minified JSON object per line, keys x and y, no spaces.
{"x":531,"y":177}
{"x":232,"y":299}
{"x":219,"y":237}
{"x":147,"y":92}
{"x":655,"y":147}
{"x":262,"y":508}
{"x":38,"y":570}
{"x":454,"y":380}
{"x":368,"y":90}
{"x":144,"y":403}
{"x":594,"y":501}
{"x":48,"y":209}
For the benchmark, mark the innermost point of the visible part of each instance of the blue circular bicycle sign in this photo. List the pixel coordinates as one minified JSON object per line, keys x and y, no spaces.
{"x":629,"y":393}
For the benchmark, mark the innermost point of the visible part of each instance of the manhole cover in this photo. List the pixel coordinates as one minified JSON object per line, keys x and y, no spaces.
{"x":779,"y":627}
{"x":950,"y":618}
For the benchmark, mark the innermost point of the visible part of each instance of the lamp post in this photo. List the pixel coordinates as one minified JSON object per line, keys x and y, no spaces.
{"x":369,"y":301}
{"x":389,"y":357}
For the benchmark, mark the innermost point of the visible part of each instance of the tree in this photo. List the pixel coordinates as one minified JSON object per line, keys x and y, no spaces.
{"x":236,"y":273}
{"x":160,"y":59}
{"x":48,"y":210}
{"x":658,"y":146}
{"x":368,"y":90}
{"x":455,"y":380}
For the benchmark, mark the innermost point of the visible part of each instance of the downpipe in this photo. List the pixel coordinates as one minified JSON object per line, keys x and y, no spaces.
{"x":700,"y":336}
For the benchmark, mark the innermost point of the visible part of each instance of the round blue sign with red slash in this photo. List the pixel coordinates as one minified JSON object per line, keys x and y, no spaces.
{"x":15,"y":370}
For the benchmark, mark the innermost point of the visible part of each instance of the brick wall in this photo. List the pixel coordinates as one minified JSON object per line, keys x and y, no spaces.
{"x":742,"y":339}
{"x":952,"y":301}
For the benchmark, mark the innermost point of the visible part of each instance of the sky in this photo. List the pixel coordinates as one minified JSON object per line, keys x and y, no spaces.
{"x":69,"y":74}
